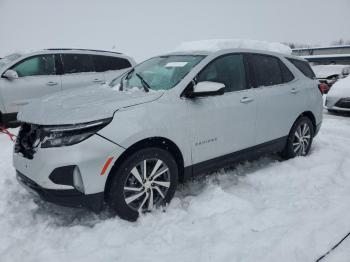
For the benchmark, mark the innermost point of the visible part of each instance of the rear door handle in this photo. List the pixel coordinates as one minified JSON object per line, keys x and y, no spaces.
{"x":51,"y":83}
{"x":294,"y":90}
{"x":96,"y":80}
{"x":246,"y":99}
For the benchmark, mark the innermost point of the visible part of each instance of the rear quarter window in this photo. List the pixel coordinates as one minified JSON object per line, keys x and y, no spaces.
{"x":107,"y":63}
{"x":267,"y":70}
{"x":303,"y":67}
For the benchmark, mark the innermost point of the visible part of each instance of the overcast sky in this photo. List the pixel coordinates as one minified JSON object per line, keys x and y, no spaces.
{"x":146,"y":28}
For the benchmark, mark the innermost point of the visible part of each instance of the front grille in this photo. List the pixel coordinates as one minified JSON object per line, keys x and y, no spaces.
{"x":28,"y":140}
{"x":343,"y":103}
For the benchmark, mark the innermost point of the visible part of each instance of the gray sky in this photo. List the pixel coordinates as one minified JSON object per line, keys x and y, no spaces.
{"x":145,"y":28}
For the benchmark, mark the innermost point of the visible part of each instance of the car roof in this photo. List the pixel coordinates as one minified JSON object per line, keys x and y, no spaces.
{"x":78,"y":51}
{"x":74,"y":50}
{"x":81,"y":49}
{"x":235,"y":50}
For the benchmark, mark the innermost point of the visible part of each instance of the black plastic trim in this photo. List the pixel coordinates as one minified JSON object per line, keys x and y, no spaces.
{"x":343,"y":103}
{"x":251,"y":153}
{"x":67,"y":197}
{"x":8,"y":119}
{"x":63,"y":175}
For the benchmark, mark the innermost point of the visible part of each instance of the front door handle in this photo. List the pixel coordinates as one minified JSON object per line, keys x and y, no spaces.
{"x":246,"y":99}
{"x":51,"y":83}
{"x":294,"y":90}
{"x":96,"y":80}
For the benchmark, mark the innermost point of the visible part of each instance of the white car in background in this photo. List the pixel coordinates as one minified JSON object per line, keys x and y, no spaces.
{"x":191,"y":112}
{"x":329,"y":74}
{"x":338,"y":98}
{"x":24,"y":77}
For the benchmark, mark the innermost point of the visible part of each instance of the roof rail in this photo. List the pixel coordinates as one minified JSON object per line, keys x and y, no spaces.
{"x":82,"y":49}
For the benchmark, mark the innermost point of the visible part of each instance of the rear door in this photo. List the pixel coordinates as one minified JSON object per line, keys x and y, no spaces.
{"x":225,"y":123}
{"x":279,"y":99}
{"x":36,"y":77}
{"x":79,"y":71}
{"x":110,"y":66}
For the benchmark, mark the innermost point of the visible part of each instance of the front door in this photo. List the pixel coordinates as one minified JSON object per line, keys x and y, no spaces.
{"x":223,"y":124}
{"x":36,"y":77}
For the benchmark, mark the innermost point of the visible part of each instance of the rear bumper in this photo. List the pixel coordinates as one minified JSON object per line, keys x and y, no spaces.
{"x":65,"y":197}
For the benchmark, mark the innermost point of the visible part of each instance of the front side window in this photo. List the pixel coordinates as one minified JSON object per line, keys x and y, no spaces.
{"x":267,"y":70}
{"x":34,"y":66}
{"x":158,"y":73}
{"x":228,"y":70}
{"x":77,"y":63}
{"x":106,"y":63}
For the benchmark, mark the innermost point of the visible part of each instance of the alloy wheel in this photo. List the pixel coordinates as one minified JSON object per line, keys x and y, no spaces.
{"x":146,"y":185}
{"x":302,"y":138}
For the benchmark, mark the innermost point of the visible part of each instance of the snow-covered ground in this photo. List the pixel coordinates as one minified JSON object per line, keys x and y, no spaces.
{"x":266,"y":210}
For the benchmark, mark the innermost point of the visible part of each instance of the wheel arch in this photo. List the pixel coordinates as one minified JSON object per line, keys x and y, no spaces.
{"x":159,"y":142}
{"x":311,"y":116}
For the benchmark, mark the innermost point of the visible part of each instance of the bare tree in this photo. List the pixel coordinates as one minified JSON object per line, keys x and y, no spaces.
{"x":341,"y":42}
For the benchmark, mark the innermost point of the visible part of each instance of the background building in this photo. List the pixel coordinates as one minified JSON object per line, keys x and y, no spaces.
{"x":325,"y":55}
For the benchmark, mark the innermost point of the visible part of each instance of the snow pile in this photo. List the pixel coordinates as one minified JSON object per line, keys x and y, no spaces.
{"x":341,"y":88}
{"x":219,"y":44}
{"x":264,"y":211}
{"x":324,"y":71}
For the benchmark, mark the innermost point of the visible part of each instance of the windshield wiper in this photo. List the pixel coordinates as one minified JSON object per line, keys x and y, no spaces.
{"x":145,"y":85}
{"x":124,"y":77}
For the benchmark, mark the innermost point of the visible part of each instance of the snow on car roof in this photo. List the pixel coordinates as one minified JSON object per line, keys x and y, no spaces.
{"x":214,"y":45}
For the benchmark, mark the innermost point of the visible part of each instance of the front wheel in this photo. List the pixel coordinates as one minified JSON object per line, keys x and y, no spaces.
{"x":299,"y":139}
{"x":145,"y":180}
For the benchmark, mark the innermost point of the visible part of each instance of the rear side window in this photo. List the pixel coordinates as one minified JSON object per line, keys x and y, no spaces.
{"x":37,"y":65}
{"x":106,"y":63}
{"x":77,"y":63}
{"x":303,"y":67}
{"x":286,"y":73}
{"x":228,"y":70}
{"x":267,"y":70}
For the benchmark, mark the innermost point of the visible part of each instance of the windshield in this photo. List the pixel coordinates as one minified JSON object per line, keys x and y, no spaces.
{"x":158,"y":73}
{"x":8,"y":59}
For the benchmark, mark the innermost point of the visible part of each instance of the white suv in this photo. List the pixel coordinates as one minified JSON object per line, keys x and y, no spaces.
{"x":24,"y":77}
{"x":165,"y":120}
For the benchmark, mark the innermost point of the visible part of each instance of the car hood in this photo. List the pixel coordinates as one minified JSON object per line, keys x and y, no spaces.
{"x":82,"y":105}
{"x":341,"y":88}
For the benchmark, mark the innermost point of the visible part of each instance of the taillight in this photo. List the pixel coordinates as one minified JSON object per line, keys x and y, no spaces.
{"x":323,"y":87}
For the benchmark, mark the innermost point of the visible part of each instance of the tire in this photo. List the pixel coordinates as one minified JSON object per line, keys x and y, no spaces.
{"x":130,"y":193}
{"x":295,"y":146}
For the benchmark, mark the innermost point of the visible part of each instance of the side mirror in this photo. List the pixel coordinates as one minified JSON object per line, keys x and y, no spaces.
{"x":207,"y":88}
{"x":10,"y":74}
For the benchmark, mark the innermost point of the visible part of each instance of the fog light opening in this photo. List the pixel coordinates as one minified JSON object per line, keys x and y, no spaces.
{"x":77,"y":180}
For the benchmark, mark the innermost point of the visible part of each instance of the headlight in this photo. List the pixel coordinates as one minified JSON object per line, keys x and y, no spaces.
{"x":66,"y":135}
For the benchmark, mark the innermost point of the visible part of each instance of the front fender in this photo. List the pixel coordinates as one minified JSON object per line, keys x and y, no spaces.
{"x":157,"y":119}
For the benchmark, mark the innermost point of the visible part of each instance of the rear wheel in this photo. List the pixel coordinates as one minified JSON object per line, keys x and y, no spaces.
{"x":145,"y":180}
{"x":299,"y":139}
